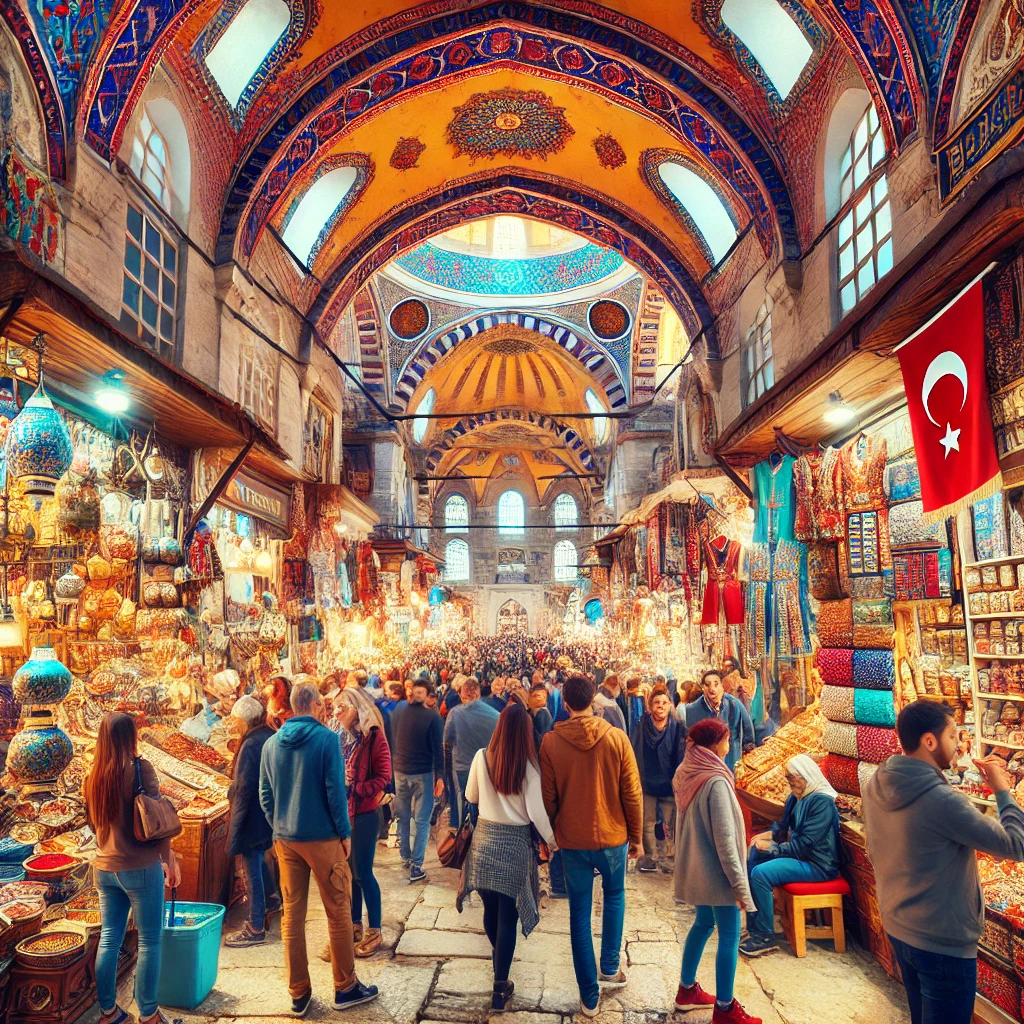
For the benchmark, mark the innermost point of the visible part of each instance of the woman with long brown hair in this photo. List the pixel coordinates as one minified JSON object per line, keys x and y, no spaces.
{"x":130,"y":875}
{"x":504,"y":783}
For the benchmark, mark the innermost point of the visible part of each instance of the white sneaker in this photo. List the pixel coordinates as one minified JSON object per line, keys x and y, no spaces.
{"x":612,"y":981}
{"x":588,"y":1011}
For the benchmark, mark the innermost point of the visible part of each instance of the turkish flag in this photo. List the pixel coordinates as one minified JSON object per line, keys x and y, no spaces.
{"x":944,"y":376}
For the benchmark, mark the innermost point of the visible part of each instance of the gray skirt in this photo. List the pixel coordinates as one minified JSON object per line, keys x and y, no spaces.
{"x":501,"y":859}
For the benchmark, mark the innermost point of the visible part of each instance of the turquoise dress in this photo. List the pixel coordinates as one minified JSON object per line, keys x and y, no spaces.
{"x":776,"y":505}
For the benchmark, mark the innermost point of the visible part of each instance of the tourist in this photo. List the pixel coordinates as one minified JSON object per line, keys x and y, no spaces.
{"x":593,"y":798}
{"x":537,"y":700}
{"x":802,"y":847}
{"x":504,"y":782}
{"x":130,"y":875}
{"x":418,"y":761}
{"x":710,"y":872}
{"x":394,"y":694}
{"x":302,"y":792}
{"x":658,"y":744}
{"x":452,"y":696}
{"x":921,"y":838}
{"x":612,"y":689}
{"x":604,"y":707}
{"x":498,"y":697}
{"x":251,"y":836}
{"x":714,"y":702}
{"x":468,"y":728}
{"x":367,"y":773}
{"x":277,"y":691}
{"x":637,"y":701}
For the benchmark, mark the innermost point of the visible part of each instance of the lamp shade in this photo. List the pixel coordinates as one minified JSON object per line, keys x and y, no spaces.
{"x":38,"y":446}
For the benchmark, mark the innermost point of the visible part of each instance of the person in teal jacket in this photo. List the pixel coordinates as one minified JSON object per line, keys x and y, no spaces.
{"x":802,"y":847}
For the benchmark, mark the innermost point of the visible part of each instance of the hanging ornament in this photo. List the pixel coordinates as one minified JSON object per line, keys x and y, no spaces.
{"x":38,"y":449}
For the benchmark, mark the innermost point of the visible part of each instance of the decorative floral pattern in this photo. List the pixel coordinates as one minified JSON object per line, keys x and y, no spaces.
{"x":406,"y":153}
{"x":609,"y":153}
{"x":509,"y":123}
{"x":38,"y":446}
{"x":42,"y":679}
{"x":409,"y":319}
{"x":840,"y":738}
{"x":39,"y":752}
{"x":835,"y":623}
{"x":608,"y":319}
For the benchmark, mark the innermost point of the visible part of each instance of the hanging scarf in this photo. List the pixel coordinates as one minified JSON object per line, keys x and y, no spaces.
{"x":700,"y":766}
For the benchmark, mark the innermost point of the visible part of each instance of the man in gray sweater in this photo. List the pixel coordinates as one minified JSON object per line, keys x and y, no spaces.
{"x":921,"y":837}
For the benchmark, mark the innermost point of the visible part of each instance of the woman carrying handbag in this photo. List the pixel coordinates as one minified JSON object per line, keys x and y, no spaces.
{"x":130,"y":873}
{"x":504,"y":782}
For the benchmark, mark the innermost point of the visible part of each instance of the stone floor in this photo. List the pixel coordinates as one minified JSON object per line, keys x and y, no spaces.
{"x":436,"y":968}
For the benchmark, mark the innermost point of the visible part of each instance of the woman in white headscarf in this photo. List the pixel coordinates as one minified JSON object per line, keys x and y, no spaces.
{"x":367,"y":774}
{"x":802,"y":847}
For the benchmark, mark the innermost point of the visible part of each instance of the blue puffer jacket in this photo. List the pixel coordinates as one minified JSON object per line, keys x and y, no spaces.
{"x":809,"y":831}
{"x":302,"y":783}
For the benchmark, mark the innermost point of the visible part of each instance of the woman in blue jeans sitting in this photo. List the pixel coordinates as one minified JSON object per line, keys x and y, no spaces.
{"x":251,"y":835}
{"x":130,"y":875}
{"x":710,"y":874}
{"x":802,"y":847}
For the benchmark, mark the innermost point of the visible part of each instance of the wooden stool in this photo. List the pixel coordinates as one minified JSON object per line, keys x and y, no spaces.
{"x":795,"y":898}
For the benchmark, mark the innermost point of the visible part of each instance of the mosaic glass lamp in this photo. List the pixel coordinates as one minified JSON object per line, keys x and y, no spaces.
{"x":42,"y":750}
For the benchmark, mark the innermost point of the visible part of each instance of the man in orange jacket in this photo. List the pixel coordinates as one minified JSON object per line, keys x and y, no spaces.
{"x":592,"y":795}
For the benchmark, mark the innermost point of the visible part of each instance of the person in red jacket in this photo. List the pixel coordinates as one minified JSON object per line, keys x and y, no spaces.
{"x":367,"y":775}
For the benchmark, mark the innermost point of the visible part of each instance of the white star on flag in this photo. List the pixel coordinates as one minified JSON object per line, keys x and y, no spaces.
{"x":951,"y":440}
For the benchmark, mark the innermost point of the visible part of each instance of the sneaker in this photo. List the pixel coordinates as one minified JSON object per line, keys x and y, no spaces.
{"x":611,"y":981}
{"x":370,"y":943}
{"x":300,"y":1006}
{"x":734,"y":1015}
{"x":758,"y":945}
{"x":645,"y":865}
{"x":406,"y":863}
{"x":246,"y":936}
{"x":588,"y":1011}
{"x":355,"y":996}
{"x":693,"y":998}
{"x":501,"y":995}
{"x":417,"y":874}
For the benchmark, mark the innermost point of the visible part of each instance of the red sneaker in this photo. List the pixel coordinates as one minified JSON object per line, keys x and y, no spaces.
{"x":734,"y":1015}
{"x":693,"y":998}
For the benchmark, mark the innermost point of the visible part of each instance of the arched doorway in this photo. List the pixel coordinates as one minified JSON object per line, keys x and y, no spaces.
{"x":513,"y":618}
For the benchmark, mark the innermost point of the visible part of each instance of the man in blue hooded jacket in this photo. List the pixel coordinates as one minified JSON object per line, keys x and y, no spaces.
{"x":302,"y":793}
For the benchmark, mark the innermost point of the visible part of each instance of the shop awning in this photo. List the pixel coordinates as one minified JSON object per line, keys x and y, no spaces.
{"x":83,"y":343}
{"x":357,"y":515}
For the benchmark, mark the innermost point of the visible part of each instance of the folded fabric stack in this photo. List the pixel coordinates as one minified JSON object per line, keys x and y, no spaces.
{"x":856,"y":665}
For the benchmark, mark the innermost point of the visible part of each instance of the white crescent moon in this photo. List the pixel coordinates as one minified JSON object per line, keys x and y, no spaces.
{"x":945,"y":364}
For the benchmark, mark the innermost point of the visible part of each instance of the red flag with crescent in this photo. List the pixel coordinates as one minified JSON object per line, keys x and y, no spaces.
{"x":947,"y":395}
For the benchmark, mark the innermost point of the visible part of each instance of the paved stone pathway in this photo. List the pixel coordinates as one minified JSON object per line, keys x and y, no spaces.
{"x":436,"y":968}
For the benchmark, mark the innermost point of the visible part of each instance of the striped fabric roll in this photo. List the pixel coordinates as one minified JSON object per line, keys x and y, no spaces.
{"x":840,"y":738}
{"x":837,"y":704}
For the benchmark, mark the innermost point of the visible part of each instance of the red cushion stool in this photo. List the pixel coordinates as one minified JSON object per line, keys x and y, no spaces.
{"x":796,"y":898}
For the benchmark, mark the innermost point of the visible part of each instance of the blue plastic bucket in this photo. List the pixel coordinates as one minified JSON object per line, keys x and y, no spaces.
{"x":191,"y":953}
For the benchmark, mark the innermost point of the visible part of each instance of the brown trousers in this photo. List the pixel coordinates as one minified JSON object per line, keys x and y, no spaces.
{"x":329,"y":867}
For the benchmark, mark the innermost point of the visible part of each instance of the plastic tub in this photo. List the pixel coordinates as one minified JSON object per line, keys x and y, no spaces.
{"x":191,"y":952}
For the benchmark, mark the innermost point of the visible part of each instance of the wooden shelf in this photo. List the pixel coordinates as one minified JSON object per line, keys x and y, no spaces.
{"x":988,"y":1013}
{"x":988,"y":742}
{"x":995,"y":615}
{"x":985,"y":695}
{"x":997,"y":657}
{"x":994,"y":561}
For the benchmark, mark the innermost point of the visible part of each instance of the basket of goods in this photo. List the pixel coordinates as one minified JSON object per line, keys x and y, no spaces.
{"x":84,"y":908}
{"x":28,"y":832}
{"x":18,"y":920}
{"x":62,"y":871}
{"x":52,"y":950}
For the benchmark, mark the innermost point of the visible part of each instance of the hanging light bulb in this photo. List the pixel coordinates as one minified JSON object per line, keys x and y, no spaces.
{"x":154,"y":465}
{"x":112,"y":396}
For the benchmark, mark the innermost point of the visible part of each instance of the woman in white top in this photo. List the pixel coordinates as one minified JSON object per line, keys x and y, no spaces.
{"x":504,"y":783}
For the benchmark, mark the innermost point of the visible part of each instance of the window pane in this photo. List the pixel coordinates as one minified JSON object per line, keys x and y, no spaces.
{"x":153,"y":183}
{"x":132,"y":259}
{"x":865,"y":277}
{"x":883,"y":221}
{"x":135,"y":223}
{"x":151,"y":277}
{"x":846,"y":261}
{"x":148,"y":311}
{"x":849,"y":297}
{"x":872,"y":118}
{"x":880,"y":189}
{"x":860,"y":136}
{"x":845,"y":228}
{"x":166,"y":325}
{"x":863,"y":210}
{"x":865,"y":242}
{"x":877,"y":149}
{"x":170,"y":257}
{"x":168,"y":295}
{"x":885,"y":258}
{"x":846,"y":189}
{"x":844,"y":164}
{"x":769,"y":375}
{"x":149,"y":338}
{"x":860,"y":171}
{"x":152,"y":241}
{"x":130,"y":295}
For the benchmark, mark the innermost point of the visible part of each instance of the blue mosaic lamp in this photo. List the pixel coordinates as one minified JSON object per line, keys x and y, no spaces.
{"x":43,"y":679}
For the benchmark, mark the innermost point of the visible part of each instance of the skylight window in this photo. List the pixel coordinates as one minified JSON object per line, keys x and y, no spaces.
{"x":772,"y":36}
{"x":317,"y":207}
{"x":701,"y":202}
{"x":421,"y":423}
{"x":600,"y":422}
{"x":245,"y":44}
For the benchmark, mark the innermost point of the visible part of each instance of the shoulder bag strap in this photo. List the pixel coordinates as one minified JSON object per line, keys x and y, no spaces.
{"x":138,"y":778}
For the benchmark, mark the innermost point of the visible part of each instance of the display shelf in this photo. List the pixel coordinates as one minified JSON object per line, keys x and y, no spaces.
{"x":987,"y":1011}
{"x":986,"y":695}
{"x":995,"y":615}
{"x":1004,"y":560}
{"x":988,"y":741}
{"x":997,"y":657}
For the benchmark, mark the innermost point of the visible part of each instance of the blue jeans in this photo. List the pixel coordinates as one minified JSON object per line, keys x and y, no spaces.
{"x":728,"y":921}
{"x":557,"y":875}
{"x":414,"y":800}
{"x":579,"y":867}
{"x":940,"y":989}
{"x":260,"y":883}
{"x":364,"y":883}
{"x":766,"y":872}
{"x":142,"y":893}
{"x":462,"y":778}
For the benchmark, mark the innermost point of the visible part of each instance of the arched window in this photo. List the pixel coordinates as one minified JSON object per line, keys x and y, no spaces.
{"x":565,"y":561}
{"x":865,"y":225}
{"x":758,"y":363}
{"x":774,"y":39}
{"x":317,"y":209}
{"x":421,"y":424}
{"x":150,"y":160}
{"x":245,"y":44}
{"x":161,"y":158}
{"x":600,"y":423}
{"x":702,"y":205}
{"x":567,"y":514}
{"x":456,"y":514}
{"x":456,"y":561}
{"x":511,"y":513}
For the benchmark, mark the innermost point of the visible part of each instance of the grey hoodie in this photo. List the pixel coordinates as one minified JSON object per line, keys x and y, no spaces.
{"x":921,"y":837}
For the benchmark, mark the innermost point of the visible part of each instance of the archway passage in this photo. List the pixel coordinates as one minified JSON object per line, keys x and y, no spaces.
{"x":512,"y":618}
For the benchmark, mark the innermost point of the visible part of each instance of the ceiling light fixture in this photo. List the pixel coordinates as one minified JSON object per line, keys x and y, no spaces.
{"x":838,"y":412}
{"x":112,"y":396}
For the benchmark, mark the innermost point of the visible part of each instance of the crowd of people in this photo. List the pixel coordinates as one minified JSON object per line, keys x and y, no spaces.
{"x":550,"y":765}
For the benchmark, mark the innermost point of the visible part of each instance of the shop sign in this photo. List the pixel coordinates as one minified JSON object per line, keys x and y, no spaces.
{"x":402,"y":615}
{"x":256,"y":498}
